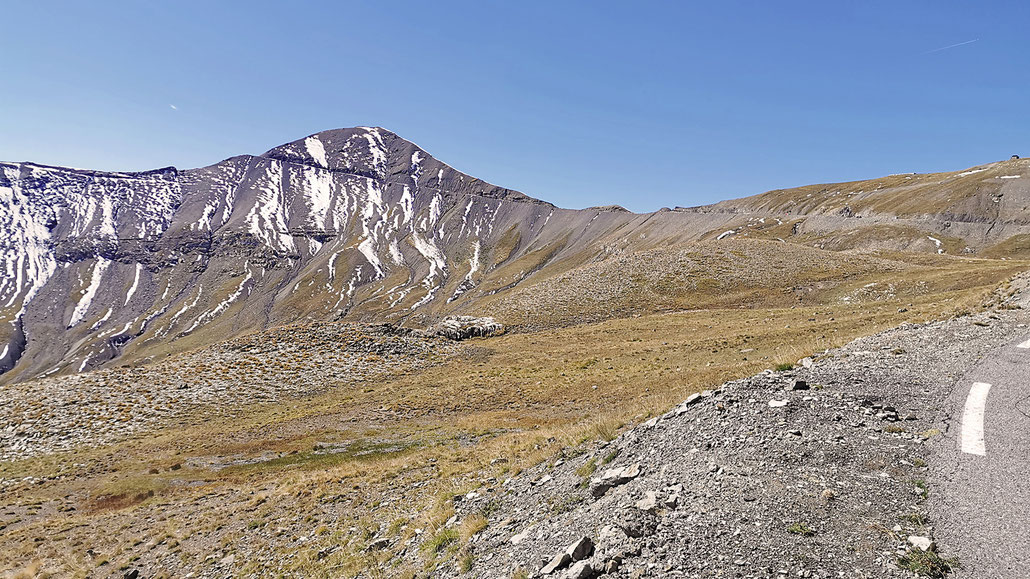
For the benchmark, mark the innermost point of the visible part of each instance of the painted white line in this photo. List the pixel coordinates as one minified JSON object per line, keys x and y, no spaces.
{"x":973,"y":419}
{"x":1025,"y":345}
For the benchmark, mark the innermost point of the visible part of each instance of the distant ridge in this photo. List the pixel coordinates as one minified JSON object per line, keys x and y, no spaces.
{"x":360,"y":224}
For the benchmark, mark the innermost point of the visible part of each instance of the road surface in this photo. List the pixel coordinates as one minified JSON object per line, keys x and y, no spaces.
{"x":982,"y":500}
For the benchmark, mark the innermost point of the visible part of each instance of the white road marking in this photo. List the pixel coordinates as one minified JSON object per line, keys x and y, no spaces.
{"x":1025,"y":345}
{"x":973,"y":419}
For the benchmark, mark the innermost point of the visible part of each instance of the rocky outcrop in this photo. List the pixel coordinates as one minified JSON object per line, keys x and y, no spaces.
{"x":465,"y":327}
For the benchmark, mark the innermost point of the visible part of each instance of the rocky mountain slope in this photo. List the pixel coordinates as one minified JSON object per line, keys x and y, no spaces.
{"x":360,"y":224}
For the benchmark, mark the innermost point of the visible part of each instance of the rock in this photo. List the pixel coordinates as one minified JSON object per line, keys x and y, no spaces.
{"x":610,"y":534}
{"x":614,"y":477}
{"x":581,"y":570}
{"x":805,"y":362}
{"x":598,"y":488}
{"x":465,"y":327}
{"x":686,"y":404}
{"x":649,"y":502}
{"x":577,"y":551}
{"x":636,"y":523}
{"x":558,"y":562}
{"x":581,"y":549}
{"x":516,"y":539}
{"x":922,"y":543}
{"x":778,"y":403}
{"x":799,"y":385}
{"x":228,"y":560}
{"x":323,"y":553}
{"x":629,"y":473}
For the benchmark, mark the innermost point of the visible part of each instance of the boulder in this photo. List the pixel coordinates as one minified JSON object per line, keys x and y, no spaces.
{"x":614,"y":477}
{"x":558,"y":562}
{"x":465,"y":327}
{"x":649,"y":502}
{"x":581,"y":549}
{"x":636,"y":523}
{"x":922,"y":543}
{"x":581,"y":570}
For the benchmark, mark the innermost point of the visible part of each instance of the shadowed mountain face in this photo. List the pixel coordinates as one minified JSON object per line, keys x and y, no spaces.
{"x":360,"y":224}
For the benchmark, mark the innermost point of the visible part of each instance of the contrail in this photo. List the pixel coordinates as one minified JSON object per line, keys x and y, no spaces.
{"x":951,"y":46}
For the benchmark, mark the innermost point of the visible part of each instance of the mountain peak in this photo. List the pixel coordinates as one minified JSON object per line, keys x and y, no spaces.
{"x":381,"y":154}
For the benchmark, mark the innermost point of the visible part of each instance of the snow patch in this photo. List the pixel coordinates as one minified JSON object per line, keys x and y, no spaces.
{"x":90,"y":292}
{"x":316,"y":150}
{"x":26,"y":256}
{"x":395,"y":252}
{"x":135,"y":283}
{"x":222,"y":305}
{"x":416,"y":166}
{"x":266,"y":220}
{"x":367,"y":249}
{"x":970,"y":172}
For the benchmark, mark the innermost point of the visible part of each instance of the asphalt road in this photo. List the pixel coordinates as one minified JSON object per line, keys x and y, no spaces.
{"x":982,"y":481}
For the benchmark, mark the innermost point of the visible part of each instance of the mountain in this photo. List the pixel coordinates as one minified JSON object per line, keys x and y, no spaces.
{"x":359,"y":224}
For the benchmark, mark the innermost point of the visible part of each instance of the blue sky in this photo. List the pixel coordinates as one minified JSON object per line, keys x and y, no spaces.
{"x":644,"y":104}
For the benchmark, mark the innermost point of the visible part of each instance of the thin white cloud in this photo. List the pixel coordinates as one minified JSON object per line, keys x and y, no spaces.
{"x":951,"y":46}
{"x":174,"y":108}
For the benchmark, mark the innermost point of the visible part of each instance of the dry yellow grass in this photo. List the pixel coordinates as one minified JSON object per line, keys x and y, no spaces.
{"x":504,"y":404}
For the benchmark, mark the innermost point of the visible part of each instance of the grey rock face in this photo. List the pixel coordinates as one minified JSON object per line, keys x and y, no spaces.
{"x":465,"y":327}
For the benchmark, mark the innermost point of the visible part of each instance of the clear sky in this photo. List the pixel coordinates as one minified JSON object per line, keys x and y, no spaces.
{"x":644,"y":104}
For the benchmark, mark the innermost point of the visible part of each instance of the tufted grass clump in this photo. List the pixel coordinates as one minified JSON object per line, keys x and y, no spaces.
{"x":801,"y":529}
{"x":927,"y":563}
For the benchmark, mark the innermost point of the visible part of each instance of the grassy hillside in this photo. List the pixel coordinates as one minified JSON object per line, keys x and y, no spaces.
{"x":366,"y":436}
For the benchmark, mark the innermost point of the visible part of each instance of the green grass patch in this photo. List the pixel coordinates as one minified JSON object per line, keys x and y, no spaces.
{"x":438,"y":542}
{"x":927,"y":563}
{"x":801,"y":529}
{"x":924,"y":489}
{"x":588,"y":468}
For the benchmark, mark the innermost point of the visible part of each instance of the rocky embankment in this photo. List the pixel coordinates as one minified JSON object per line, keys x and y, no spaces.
{"x":814,"y":471}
